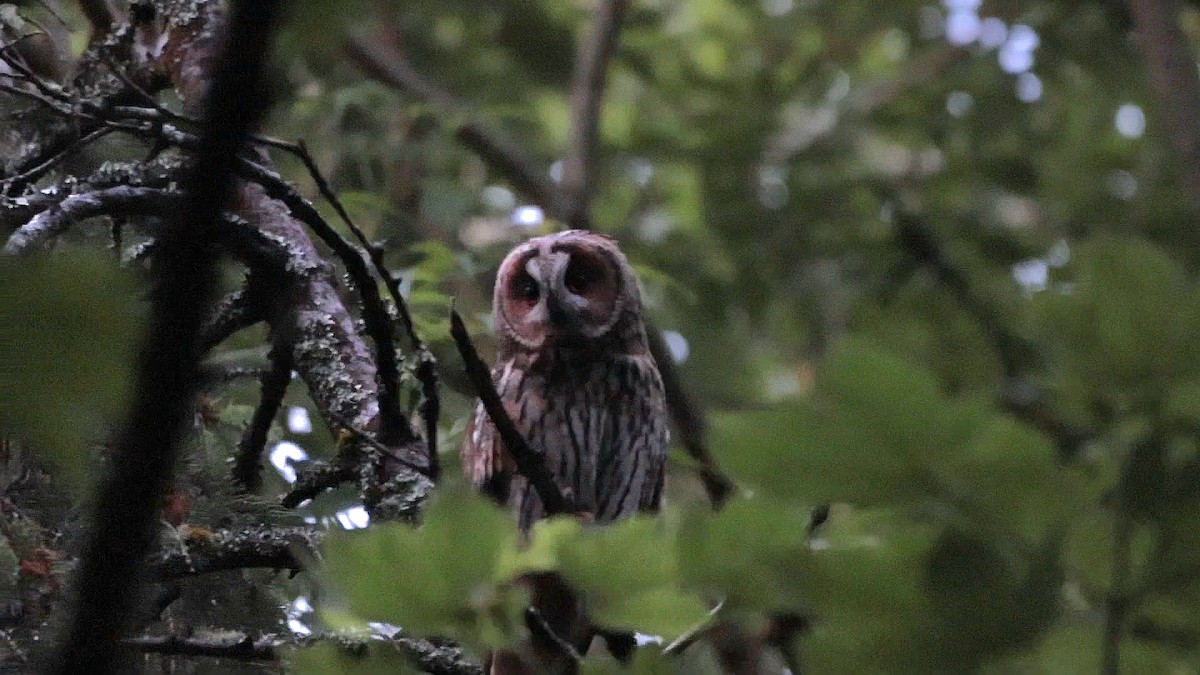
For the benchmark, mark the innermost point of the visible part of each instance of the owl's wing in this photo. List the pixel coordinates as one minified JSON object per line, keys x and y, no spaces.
{"x":630,"y":477}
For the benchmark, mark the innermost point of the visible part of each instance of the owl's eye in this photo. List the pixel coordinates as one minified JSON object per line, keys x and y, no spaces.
{"x":525,"y":288}
{"x":580,"y":276}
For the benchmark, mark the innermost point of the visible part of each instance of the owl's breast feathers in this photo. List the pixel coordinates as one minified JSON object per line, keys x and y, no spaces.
{"x":599,"y":419}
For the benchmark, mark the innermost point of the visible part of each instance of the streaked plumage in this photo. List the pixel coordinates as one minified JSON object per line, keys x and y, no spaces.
{"x":577,"y":377}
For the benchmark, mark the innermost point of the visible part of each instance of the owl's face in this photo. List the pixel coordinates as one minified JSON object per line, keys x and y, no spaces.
{"x":565,"y":288}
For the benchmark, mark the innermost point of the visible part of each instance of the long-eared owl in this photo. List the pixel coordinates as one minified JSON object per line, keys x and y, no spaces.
{"x":577,"y":377}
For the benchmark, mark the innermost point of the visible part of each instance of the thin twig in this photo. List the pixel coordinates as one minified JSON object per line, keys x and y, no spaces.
{"x":544,"y":627}
{"x":690,"y":421}
{"x":12,"y":183}
{"x":145,"y":95}
{"x":425,"y":371}
{"x":1117,"y":603}
{"x":1120,"y":597}
{"x":531,"y":464}
{"x":497,"y":150}
{"x":247,"y":466}
{"x":373,"y":442}
{"x":47,"y":88}
{"x":689,"y":636}
{"x":596,"y":50}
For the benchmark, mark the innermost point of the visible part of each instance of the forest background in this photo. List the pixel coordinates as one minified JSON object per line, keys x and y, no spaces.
{"x":924,"y":276}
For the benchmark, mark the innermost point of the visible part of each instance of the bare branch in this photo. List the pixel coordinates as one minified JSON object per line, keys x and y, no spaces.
{"x":13,"y":183}
{"x":370,"y":440}
{"x":55,"y":220}
{"x":436,"y":658}
{"x":279,"y":548}
{"x":237,"y":311}
{"x":316,"y":477}
{"x":243,"y":648}
{"x":395,"y":428}
{"x":596,"y":50}
{"x":216,"y":376}
{"x":531,"y":464}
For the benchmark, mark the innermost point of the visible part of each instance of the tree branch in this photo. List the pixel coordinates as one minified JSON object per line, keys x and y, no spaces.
{"x":689,"y":421}
{"x":1171,"y":67}
{"x":237,"y":311}
{"x":431,"y":657}
{"x":280,"y":548}
{"x":596,"y":50}
{"x":123,"y":525}
{"x":395,"y":429}
{"x":497,"y":150}
{"x":58,"y":218}
{"x":531,"y":464}
{"x":1016,"y":354}
{"x":425,"y":371}
{"x":316,"y":477}
{"x":242,"y":648}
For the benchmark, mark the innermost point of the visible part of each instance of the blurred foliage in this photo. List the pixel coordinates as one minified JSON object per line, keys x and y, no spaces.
{"x":754,"y":156}
{"x":66,"y":324}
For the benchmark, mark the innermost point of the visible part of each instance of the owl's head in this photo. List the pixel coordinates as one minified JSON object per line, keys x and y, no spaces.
{"x":567,"y":288}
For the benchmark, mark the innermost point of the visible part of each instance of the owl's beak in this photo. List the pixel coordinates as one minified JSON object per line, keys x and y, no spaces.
{"x":555,"y":310}
{"x":562,"y":314}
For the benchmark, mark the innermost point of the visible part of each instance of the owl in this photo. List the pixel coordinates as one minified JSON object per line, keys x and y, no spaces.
{"x":577,"y":377}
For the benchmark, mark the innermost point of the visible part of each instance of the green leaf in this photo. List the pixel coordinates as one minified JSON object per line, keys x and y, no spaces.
{"x":431,"y":579}
{"x":67,"y":334}
{"x":874,"y":426}
{"x":547,"y":538}
{"x":629,"y":573}
{"x":336,"y":659}
{"x":749,"y":553}
{"x":1010,"y":475}
{"x":1128,"y":296}
{"x":987,"y":600}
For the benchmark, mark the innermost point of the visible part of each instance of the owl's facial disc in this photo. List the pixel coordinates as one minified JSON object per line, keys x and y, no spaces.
{"x":562,"y":290}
